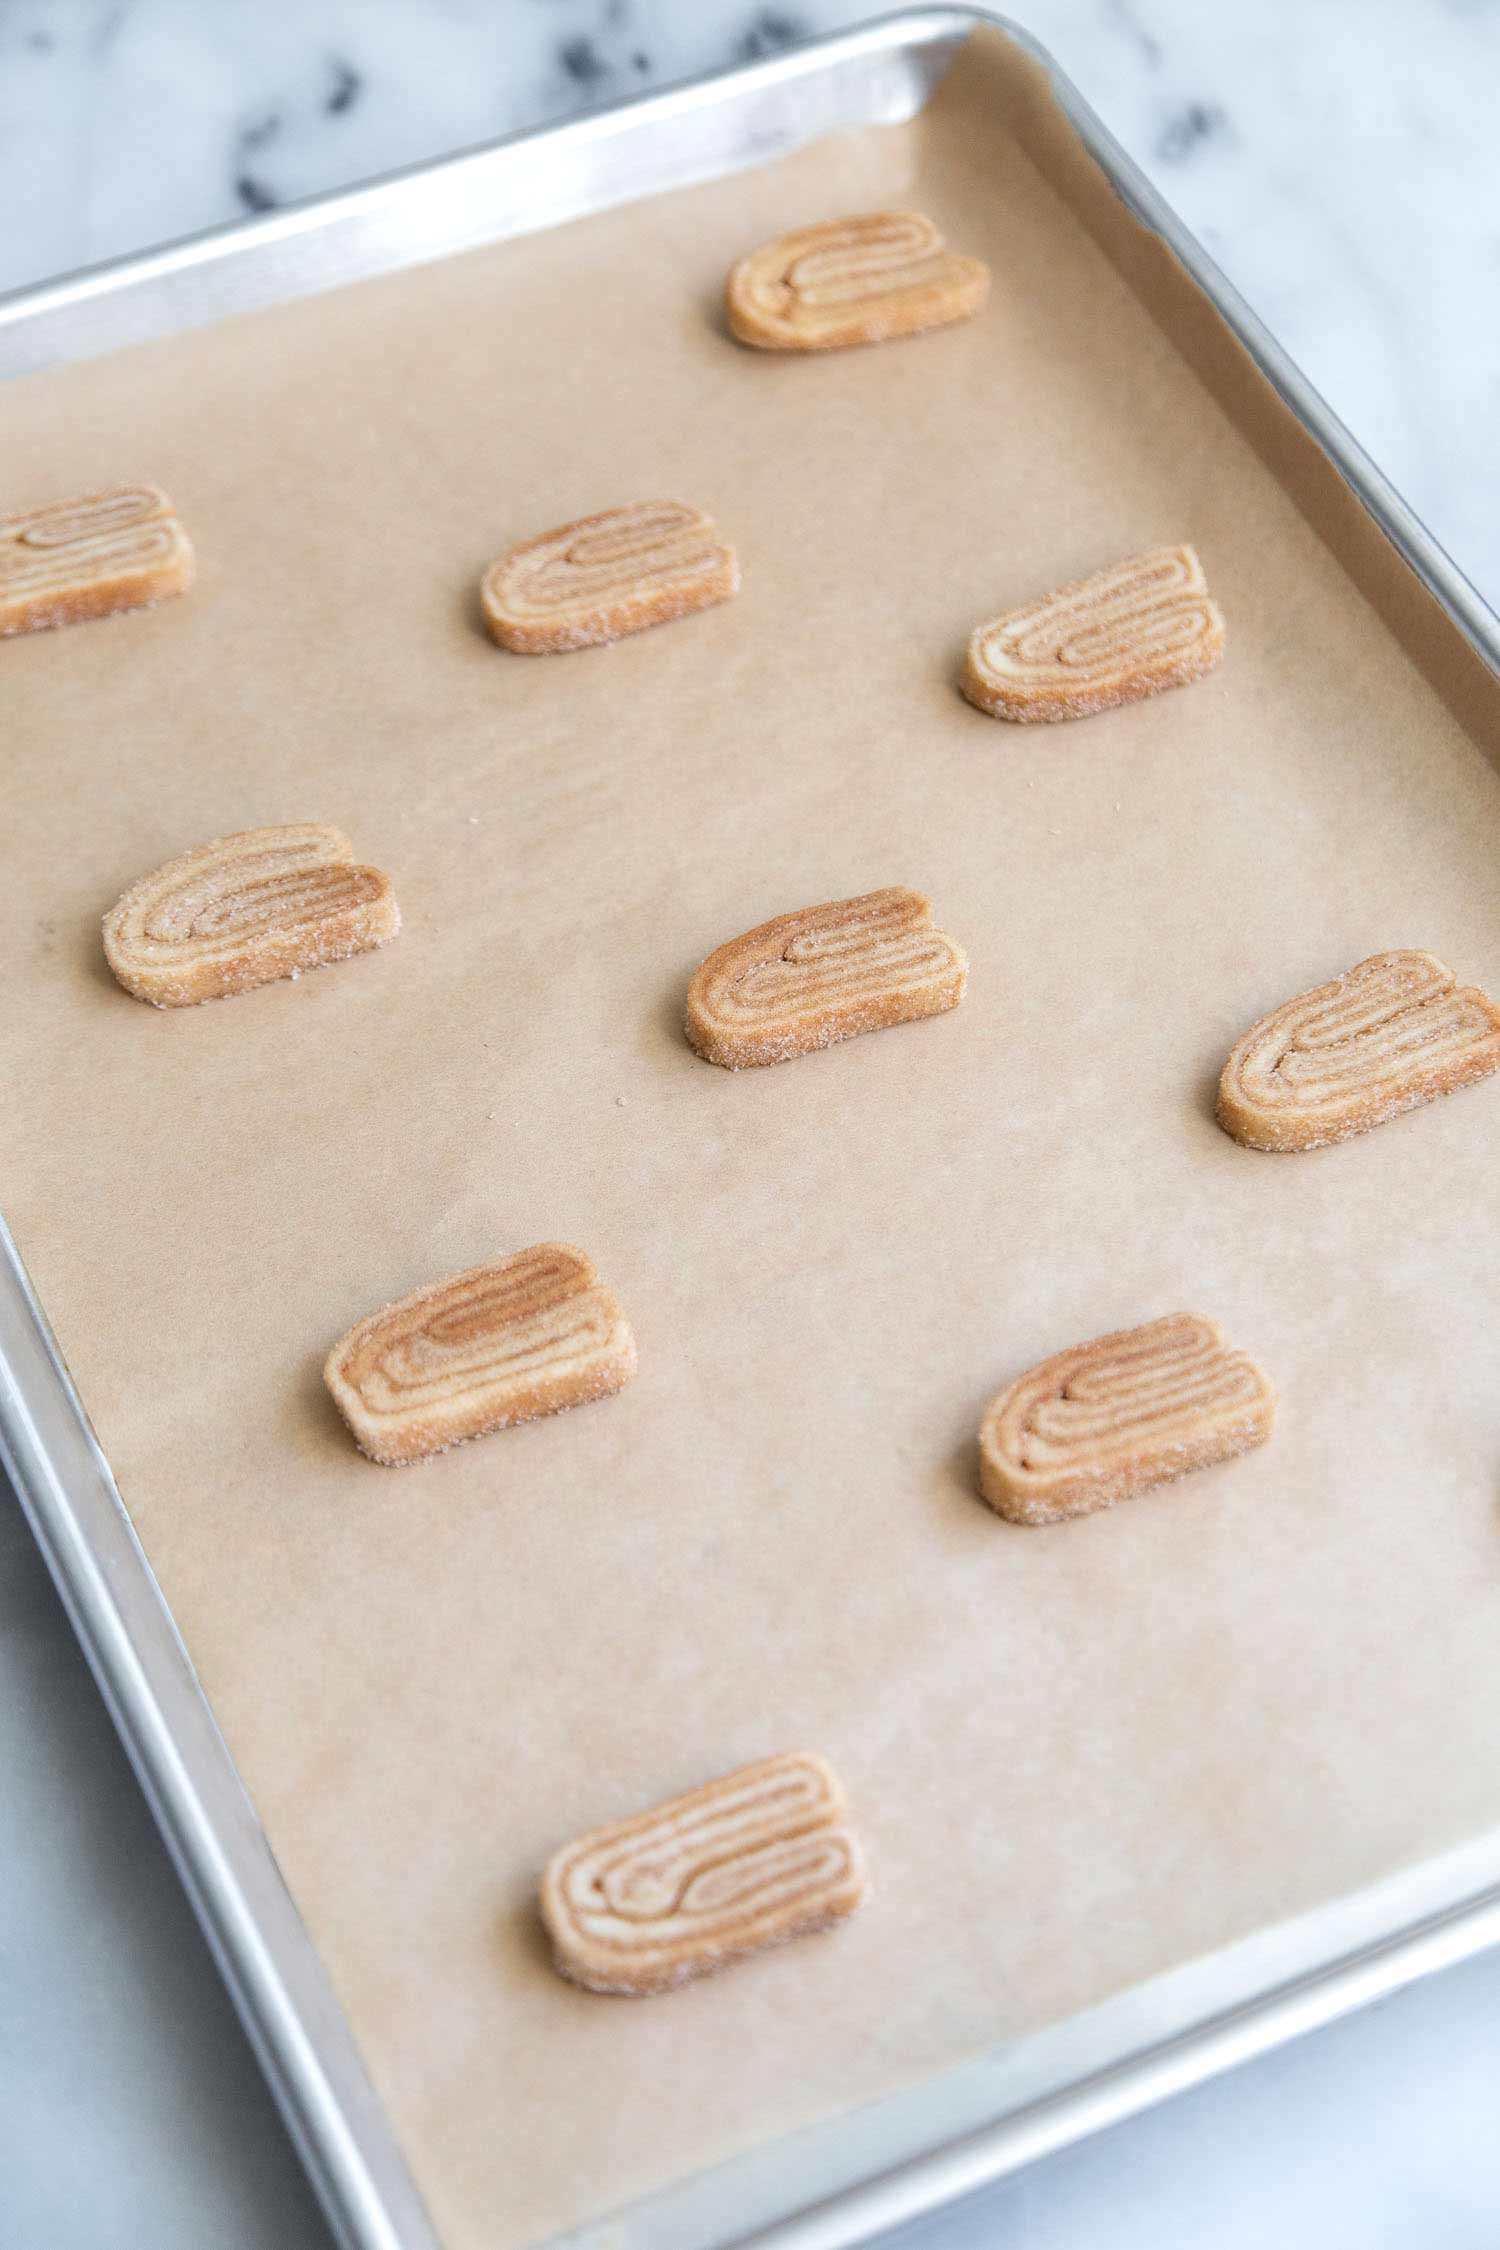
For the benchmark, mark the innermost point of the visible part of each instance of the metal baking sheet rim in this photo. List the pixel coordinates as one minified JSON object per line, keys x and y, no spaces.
{"x":845,"y":2181}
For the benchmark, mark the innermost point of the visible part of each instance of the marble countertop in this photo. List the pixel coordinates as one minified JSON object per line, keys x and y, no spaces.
{"x":1337,"y":159}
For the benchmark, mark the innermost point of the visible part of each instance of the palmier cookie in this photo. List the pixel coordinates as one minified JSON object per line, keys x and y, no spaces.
{"x":1125,"y":633}
{"x":89,"y":557}
{"x":245,"y":910}
{"x":605,"y":576}
{"x":824,"y":973}
{"x":1112,"y":1418}
{"x":502,"y":1343}
{"x":1389,"y":1034}
{"x":851,"y":281}
{"x":756,"y":1857}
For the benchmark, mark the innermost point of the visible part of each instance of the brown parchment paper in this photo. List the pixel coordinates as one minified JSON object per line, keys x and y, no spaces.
{"x":1078,"y":1756}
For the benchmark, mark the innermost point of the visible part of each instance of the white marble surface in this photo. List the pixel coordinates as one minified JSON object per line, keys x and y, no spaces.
{"x":1337,"y":157}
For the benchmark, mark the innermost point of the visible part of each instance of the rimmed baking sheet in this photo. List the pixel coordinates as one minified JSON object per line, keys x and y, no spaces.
{"x":1079,"y":1757}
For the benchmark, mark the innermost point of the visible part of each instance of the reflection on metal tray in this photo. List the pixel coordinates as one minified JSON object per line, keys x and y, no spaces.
{"x":843,"y":2182}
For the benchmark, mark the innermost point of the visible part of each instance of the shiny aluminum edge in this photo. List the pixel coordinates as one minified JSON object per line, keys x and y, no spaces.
{"x":69,"y":1496}
{"x":839,"y":2183}
{"x":691,"y":132}
{"x":1455,"y":594}
{"x":896,"y":2159}
{"x":522,"y":183}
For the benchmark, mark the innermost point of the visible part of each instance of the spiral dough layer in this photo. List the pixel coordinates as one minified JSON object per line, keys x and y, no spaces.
{"x":851,"y":281}
{"x":1392,"y":1033}
{"x":606,"y":576}
{"x":90,"y":557}
{"x":1125,"y":633}
{"x":822,"y":974}
{"x":502,"y":1343}
{"x":245,"y":910}
{"x":1106,"y":1420}
{"x":756,"y":1857}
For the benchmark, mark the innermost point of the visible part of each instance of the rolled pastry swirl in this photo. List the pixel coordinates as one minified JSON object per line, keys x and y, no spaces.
{"x":1125,"y":633}
{"x":605,"y":576}
{"x":89,"y":557}
{"x":822,"y":974}
{"x":851,"y":281}
{"x":756,"y":1857}
{"x":1112,"y":1418}
{"x":1387,"y":1035}
{"x":245,"y":910}
{"x":499,"y":1344}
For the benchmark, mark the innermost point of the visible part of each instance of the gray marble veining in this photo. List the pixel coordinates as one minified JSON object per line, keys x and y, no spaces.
{"x":1336,"y":158}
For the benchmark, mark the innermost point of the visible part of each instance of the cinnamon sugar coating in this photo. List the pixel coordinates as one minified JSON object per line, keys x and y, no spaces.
{"x":502,"y":1343}
{"x":605,"y":576}
{"x":750,"y":1860}
{"x":246,"y":910}
{"x":851,"y":281}
{"x":824,"y":973}
{"x":89,"y":557}
{"x":1125,"y":633}
{"x":1108,"y":1419}
{"x":1393,"y":1032}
